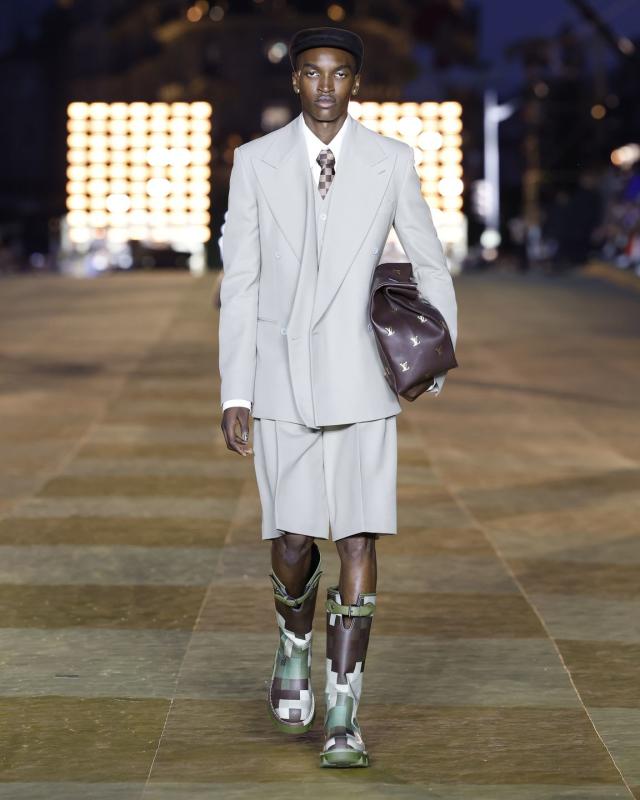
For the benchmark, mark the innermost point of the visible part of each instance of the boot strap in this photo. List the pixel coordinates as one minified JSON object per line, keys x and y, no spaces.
{"x":365,"y":610}
{"x":281,"y":594}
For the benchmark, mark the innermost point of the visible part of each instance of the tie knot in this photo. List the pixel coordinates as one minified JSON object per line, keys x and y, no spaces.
{"x":326,"y":157}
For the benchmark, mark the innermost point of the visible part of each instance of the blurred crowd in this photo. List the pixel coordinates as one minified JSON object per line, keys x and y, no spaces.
{"x":598,"y":220}
{"x":617,"y":237}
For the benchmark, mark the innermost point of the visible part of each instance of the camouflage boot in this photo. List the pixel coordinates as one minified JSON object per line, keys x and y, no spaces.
{"x":291,"y":700}
{"x":346,"y":652}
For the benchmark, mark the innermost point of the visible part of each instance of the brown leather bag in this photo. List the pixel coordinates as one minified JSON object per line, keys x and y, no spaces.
{"x":412,"y":337}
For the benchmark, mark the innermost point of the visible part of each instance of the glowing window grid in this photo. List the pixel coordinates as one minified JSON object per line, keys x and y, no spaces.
{"x":139,"y":171}
{"x":434,"y":130}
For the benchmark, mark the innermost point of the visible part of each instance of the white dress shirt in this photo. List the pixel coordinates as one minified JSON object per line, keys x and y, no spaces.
{"x":314,"y":146}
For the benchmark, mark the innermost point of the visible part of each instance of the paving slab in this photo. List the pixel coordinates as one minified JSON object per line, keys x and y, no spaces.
{"x":138,"y":623}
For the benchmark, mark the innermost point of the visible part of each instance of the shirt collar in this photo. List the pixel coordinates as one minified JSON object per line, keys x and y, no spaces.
{"x":315,"y":145}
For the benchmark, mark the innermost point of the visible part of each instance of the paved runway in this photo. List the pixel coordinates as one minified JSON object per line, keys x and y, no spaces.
{"x":138,"y":626}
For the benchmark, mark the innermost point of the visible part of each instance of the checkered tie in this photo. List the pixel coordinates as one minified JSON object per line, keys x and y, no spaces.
{"x":326,"y":159}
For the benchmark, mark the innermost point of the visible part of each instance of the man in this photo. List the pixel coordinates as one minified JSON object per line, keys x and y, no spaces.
{"x":310,"y":208}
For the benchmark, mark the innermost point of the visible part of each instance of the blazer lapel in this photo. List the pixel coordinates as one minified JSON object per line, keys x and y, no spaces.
{"x":281,"y":171}
{"x":362,"y":176}
{"x":361,"y":179}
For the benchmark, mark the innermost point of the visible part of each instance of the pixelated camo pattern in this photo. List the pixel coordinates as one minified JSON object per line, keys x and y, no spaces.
{"x":327,"y":160}
{"x":346,"y":653}
{"x":290,"y":695}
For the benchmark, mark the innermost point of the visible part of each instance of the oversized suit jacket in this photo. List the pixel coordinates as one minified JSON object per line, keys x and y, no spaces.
{"x":294,"y":333}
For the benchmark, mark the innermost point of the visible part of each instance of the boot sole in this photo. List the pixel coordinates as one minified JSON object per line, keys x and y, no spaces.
{"x":344,"y":758}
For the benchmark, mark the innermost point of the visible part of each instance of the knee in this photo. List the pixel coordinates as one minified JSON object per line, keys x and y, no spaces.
{"x":356,"y":548}
{"x":292,"y":547}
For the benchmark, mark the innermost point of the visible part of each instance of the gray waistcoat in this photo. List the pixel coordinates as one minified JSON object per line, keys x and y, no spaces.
{"x":309,"y":283}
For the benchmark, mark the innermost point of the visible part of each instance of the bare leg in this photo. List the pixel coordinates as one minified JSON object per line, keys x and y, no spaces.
{"x":358,"y":567}
{"x":295,"y":573}
{"x":291,"y":560}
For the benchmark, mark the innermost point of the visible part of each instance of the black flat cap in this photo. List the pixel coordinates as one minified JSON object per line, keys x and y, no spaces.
{"x":326,"y":37}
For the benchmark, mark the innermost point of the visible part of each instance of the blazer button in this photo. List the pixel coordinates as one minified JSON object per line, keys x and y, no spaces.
{"x":369,"y":326}
{"x":374,"y":251}
{"x":283,"y":331}
{"x":277,"y":255}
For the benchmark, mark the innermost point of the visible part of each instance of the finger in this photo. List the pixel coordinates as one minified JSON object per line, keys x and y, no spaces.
{"x":235,"y":441}
{"x":242,"y":445}
{"x":242,"y":420}
{"x":230,"y":438}
{"x":244,"y":428}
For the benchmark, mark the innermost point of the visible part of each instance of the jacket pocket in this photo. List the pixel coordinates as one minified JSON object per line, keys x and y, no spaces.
{"x":267,"y":319}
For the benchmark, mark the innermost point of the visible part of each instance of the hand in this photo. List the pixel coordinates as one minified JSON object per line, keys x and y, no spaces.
{"x":237,"y":440}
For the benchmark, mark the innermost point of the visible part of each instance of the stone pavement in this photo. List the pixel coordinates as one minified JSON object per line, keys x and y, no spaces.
{"x":138,"y":627}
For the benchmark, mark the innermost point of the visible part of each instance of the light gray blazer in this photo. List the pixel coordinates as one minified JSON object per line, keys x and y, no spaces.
{"x":294,"y":336}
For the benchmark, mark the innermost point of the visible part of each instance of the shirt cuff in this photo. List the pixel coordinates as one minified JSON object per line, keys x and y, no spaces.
{"x":238,"y":402}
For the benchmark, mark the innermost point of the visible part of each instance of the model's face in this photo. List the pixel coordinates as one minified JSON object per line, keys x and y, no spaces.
{"x":326,"y":80}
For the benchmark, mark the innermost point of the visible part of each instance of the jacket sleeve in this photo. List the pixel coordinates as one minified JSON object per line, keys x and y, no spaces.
{"x":413,"y":223}
{"x":239,"y":287}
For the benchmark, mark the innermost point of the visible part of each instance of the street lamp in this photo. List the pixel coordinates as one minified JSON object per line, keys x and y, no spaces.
{"x":494,"y":114}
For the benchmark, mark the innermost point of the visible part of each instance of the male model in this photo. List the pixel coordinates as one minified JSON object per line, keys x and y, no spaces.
{"x":310,"y":208}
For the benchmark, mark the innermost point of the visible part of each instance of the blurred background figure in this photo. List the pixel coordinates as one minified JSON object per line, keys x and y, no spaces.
{"x":618,"y":236}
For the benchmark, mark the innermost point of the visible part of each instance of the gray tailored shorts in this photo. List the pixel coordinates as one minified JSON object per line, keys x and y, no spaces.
{"x":338,"y":478}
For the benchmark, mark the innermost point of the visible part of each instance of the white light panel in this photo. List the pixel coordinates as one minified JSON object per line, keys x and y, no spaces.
{"x":139,"y":171}
{"x":434,"y":131}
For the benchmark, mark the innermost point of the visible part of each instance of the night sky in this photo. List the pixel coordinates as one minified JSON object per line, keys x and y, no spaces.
{"x":503,"y":22}
{"x":506,"y":21}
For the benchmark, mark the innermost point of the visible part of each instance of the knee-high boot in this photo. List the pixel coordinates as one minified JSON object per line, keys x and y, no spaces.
{"x":346,"y":653}
{"x":290,"y":697}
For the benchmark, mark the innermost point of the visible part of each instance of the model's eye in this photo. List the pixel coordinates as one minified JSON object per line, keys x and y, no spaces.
{"x":310,"y":72}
